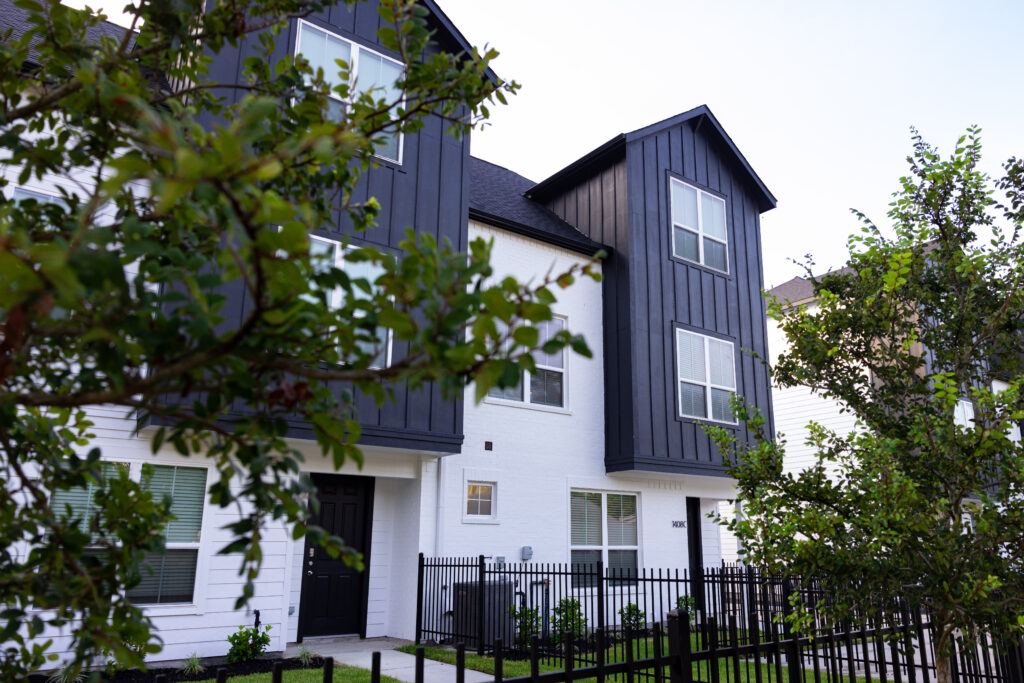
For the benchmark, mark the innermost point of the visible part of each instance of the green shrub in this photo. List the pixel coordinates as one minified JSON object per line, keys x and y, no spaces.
{"x":566,"y":618}
{"x":527,"y":624}
{"x":633,"y":618}
{"x":688,"y":603}
{"x":248,"y":643}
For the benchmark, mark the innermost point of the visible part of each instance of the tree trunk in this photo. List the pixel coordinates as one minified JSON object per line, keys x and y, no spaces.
{"x":943,"y":670}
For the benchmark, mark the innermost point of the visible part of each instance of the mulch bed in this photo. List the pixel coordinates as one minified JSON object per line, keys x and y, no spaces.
{"x":176,"y":675}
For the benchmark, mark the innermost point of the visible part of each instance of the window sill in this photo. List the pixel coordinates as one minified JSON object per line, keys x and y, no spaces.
{"x":708,"y":421}
{"x":176,"y":609}
{"x":481,"y":520}
{"x":700,"y":266}
{"x":523,"y":405}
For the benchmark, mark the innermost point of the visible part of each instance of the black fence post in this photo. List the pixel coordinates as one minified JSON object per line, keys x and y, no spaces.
{"x":680,"y":670}
{"x":374,"y":669}
{"x":277,"y":672}
{"x":329,"y":671}
{"x":222,"y":675}
{"x":792,"y":643}
{"x":419,"y":600}
{"x":600,"y":594}
{"x":480,"y":608}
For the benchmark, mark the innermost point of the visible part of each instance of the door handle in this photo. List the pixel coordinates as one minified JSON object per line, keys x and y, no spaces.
{"x":309,"y":572}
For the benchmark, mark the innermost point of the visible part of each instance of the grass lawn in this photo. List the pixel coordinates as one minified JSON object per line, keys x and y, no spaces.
{"x":342,"y":674}
{"x":643,"y":648}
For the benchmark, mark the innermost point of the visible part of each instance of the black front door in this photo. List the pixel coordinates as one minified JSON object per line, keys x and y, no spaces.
{"x":334,"y":594}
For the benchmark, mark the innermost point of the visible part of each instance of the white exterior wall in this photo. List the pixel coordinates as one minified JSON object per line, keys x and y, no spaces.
{"x":540,"y":454}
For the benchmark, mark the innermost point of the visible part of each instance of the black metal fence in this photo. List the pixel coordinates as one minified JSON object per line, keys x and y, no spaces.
{"x":572,"y":617}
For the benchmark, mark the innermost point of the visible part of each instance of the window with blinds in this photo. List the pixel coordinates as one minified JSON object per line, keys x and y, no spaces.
{"x":366,"y":70}
{"x":699,"y":229}
{"x":603,"y":528}
{"x":167,"y":577}
{"x":707,"y":376}
{"x":546,"y":387}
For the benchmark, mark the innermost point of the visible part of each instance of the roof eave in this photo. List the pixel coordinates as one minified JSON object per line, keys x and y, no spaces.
{"x":583,"y":246}
{"x":448,"y":26}
{"x":583,"y":167}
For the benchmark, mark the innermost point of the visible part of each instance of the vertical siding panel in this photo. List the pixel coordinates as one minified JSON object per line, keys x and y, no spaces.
{"x":367,"y":21}
{"x":689,"y":152}
{"x":707,"y":300}
{"x":700,"y":144}
{"x":657,"y":331}
{"x":343,"y":15}
{"x":600,"y":231}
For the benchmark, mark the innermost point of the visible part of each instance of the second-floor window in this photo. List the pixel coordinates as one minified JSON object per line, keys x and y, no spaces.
{"x":333,"y":252}
{"x":699,"y":231}
{"x":366,"y":69}
{"x":707,"y":376}
{"x":547,"y":386}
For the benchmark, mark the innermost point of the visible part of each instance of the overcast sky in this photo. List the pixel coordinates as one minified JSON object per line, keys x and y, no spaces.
{"x":819,"y":96}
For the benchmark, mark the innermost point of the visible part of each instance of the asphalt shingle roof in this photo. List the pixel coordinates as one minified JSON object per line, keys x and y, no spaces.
{"x":16,"y":18}
{"x":496,"y":195}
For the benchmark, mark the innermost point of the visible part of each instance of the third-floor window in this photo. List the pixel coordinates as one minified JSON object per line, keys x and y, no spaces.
{"x":366,"y":69}
{"x":699,"y":231}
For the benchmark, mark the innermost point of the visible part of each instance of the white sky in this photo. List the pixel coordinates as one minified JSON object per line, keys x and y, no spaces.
{"x":819,"y":96}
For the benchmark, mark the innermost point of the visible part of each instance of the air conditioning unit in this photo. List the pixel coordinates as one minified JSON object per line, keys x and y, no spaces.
{"x":498,"y":600}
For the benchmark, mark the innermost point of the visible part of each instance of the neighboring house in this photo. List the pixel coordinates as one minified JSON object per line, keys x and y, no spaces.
{"x":601,"y":458}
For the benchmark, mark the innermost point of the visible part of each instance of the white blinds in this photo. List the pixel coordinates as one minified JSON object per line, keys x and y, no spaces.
{"x":723,"y":369}
{"x":621,"y":519}
{"x":186,"y":487}
{"x":585,"y":513}
{"x":82,"y":500}
{"x":321,"y":49}
{"x":690,"y":349}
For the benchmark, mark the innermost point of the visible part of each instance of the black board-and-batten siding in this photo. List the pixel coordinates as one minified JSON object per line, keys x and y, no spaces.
{"x":649,"y":293}
{"x":427,"y":190}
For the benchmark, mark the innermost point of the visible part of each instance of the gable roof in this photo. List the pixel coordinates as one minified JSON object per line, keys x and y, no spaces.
{"x":443,"y":22}
{"x":796,"y":290}
{"x":615,"y":149}
{"x":496,"y":197}
{"x":15,"y":18}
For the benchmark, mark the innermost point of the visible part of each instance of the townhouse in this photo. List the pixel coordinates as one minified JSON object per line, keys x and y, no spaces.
{"x":589,"y":459}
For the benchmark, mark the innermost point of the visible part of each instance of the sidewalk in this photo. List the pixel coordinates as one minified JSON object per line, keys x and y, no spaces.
{"x":398,"y":665}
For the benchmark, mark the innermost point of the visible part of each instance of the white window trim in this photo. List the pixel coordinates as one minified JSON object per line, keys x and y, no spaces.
{"x":700,"y":226}
{"x":353,"y":72}
{"x":708,"y":384}
{"x":485,"y":477}
{"x":524,"y":382}
{"x":198,"y":604}
{"x":335,"y":295}
{"x":604,"y":548}
{"x":998,"y":387}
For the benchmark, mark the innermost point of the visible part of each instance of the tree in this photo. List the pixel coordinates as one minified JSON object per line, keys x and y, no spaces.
{"x":919,"y":506}
{"x":116,"y":294}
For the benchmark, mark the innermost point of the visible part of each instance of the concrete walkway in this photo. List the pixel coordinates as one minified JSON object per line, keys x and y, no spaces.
{"x":358,"y":652}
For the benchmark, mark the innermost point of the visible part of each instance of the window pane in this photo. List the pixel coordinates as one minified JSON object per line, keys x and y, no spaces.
{"x":720,"y":405}
{"x":548,"y":329}
{"x":723,"y":368}
{"x":692,"y":401}
{"x":963,"y":415}
{"x":509,"y":393}
{"x":321,"y":50}
{"x":186,"y":486}
{"x":622,"y":564}
{"x":715,"y":255}
{"x":546,"y":388}
{"x":379,"y":73}
{"x":685,"y":245}
{"x":387,"y":145}
{"x":166,"y":578}
{"x":621,"y":519}
{"x":684,"y":205}
{"x":82,"y":500}
{"x":584,"y":567}
{"x":713,"y":215}
{"x":585,"y":513}
{"x":690,"y":352}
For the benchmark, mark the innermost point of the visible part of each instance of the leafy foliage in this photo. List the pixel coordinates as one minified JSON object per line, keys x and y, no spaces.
{"x":911,"y":503}
{"x":178,"y":193}
{"x":633,"y":618}
{"x":248,"y":643}
{"x":527,"y":621}
{"x":567,"y":618}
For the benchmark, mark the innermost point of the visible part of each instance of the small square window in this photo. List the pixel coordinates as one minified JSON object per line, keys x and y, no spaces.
{"x":480,"y":500}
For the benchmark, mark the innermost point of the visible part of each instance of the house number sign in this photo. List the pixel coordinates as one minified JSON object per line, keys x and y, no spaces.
{"x":678,"y":524}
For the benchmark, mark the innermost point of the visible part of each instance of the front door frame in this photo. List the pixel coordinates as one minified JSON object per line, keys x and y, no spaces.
{"x":369,"y":483}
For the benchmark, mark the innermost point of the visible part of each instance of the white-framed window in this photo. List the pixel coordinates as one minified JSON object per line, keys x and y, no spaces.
{"x":481,"y":500}
{"x":603,"y":527}
{"x":547,"y":387}
{"x":366,"y":69}
{"x":380,"y":348}
{"x":998,"y":387}
{"x":707,"y":376}
{"x":169,"y":577}
{"x":963,"y":413}
{"x":21,"y":194}
{"x":699,"y":226}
